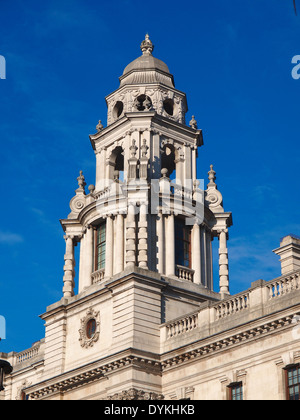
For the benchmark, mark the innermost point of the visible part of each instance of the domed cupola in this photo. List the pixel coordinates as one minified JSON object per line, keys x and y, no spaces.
{"x":146,"y":68}
{"x":147,"y":85}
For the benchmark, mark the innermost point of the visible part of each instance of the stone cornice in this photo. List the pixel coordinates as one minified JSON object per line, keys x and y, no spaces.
{"x":93,"y":372}
{"x":238,"y":336}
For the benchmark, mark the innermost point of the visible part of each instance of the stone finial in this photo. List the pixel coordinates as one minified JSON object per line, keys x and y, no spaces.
{"x":211,"y":175}
{"x":81,"y":182}
{"x":164,"y":172}
{"x":99,"y":126}
{"x":146,"y":46}
{"x":193,"y":123}
{"x":91,"y":188}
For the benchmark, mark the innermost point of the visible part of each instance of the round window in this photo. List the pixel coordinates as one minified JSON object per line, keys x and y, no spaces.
{"x":91,"y":328}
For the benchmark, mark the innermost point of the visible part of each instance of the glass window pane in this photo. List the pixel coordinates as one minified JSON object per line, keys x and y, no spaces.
{"x":293,"y":383}
{"x":100,"y":247}
{"x":236,"y":392}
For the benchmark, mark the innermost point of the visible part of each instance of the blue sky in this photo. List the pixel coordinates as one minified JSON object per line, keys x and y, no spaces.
{"x":233,"y":60}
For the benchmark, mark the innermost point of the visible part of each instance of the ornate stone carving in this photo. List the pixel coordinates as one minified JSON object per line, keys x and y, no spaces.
{"x":136,"y":394}
{"x":213,"y":197}
{"x":99,"y":126}
{"x":193,"y":122}
{"x":20,"y":389}
{"x":87,"y":338}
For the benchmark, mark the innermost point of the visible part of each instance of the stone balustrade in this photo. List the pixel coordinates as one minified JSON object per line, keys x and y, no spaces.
{"x":184,"y":273}
{"x":98,"y":275}
{"x":283,"y":285}
{"x":231,"y":306}
{"x":237,"y":309}
{"x":29,"y":356}
{"x":182,"y":326}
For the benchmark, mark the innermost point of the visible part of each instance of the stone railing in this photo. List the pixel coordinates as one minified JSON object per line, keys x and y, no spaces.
{"x":284,"y":285}
{"x":184,"y":273}
{"x":260,"y":299}
{"x":98,"y":275}
{"x":181,"y":191}
{"x":182,"y":325}
{"x":25,"y":355}
{"x":34,"y":353}
{"x":231,"y":306}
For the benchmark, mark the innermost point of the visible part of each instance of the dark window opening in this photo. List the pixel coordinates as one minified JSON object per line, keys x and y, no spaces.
{"x":143,"y":103}
{"x":168,"y":160}
{"x":182,"y":244}
{"x":169,"y":106}
{"x":118,"y":109}
{"x":117,"y":164}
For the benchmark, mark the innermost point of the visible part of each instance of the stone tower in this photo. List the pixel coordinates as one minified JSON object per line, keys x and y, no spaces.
{"x":147,"y":209}
{"x":144,"y":231}
{"x":140,"y":319}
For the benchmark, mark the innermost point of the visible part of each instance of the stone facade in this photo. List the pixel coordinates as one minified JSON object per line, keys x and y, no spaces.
{"x":146,"y":323}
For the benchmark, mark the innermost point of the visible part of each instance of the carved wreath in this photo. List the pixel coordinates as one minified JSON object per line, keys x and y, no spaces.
{"x":89,"y":331}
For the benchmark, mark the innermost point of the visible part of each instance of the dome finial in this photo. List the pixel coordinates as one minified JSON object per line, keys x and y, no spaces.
{"x":146,"y":46}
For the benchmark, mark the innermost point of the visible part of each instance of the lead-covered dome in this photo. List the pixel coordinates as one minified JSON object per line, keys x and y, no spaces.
{"x":146,"y":68}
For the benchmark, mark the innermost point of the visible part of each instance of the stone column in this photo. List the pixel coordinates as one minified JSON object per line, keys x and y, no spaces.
{"x":223,"y":262}
{"x":69,"y":272}
{"x":203,"y":255}
{"x":196,"y":254}
{"x":142,"y":237}
{"x":130,"y":237}
{"x":109,"y":247}
{"x":194,"y":163}
{"x":119,"y":257}
{"x":160,"y":242}
{"x":170,"y":246}
{"x":81,"y":264}
{"x":89,"y":256}
{"x":209,"y":283}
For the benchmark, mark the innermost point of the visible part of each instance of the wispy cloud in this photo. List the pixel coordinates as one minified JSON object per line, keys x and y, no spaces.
{"x":9,"y":238}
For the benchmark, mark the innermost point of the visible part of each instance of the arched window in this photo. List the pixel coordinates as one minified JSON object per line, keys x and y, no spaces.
{"x":116,"y":164}
{"x":168,"y":160}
